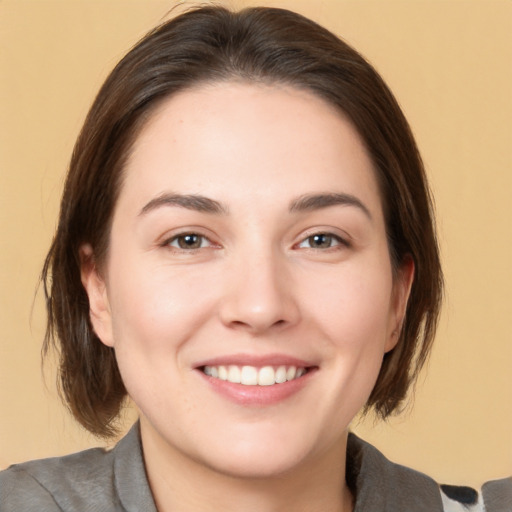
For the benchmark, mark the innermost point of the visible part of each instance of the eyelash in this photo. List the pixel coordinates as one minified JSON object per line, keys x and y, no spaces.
{"x":182,"y":237}
{"x":331,"y":237}
{"x":204,"y":242}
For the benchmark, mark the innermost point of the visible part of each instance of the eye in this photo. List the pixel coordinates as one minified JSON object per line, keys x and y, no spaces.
{"x":321,"y":241}
{"x":188,"y":241}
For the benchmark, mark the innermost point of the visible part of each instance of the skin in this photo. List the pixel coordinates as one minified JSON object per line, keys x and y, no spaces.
{"x":258,"y":284}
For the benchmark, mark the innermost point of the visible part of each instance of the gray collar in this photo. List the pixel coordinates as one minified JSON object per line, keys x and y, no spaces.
{"x":131,"y":481}
{"x":377,"y":483}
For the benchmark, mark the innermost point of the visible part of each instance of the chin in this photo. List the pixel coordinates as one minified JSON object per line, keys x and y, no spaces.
{"x":257,"y":466}
{"x":260,"y":456}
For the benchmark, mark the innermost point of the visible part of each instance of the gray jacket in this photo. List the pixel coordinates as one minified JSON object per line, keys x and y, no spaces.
{"x":107,"y":481}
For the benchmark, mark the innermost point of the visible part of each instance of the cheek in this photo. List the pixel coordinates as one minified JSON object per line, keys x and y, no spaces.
{"x":353,"y":310}
{"x":352,"y":305}
{"x":157,"y":308}
{"x":357,"y":319}
{"x":155,"y":315}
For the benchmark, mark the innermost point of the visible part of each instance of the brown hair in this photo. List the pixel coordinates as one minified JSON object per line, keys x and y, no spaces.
{"x":213,"y":44}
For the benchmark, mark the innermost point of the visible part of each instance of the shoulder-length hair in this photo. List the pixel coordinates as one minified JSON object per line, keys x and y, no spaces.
{"x":215,"y":45}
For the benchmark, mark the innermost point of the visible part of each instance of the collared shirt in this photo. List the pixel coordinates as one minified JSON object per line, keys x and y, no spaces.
{"x":115,"y":481}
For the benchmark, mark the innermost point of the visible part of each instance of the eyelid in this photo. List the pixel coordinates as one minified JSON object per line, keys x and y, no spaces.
{"x":177,"y":238}
{"x":343,"y":239}
{"x":168,"y":239}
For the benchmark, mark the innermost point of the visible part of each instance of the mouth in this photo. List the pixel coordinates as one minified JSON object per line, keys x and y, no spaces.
{"x":255,"y":376}
{"x":250,"y":380}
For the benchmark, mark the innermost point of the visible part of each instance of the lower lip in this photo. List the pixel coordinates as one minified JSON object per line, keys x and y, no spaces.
{"x":257,"y":395}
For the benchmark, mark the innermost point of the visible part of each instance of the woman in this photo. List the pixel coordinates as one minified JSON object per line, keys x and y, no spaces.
{"x":245,"y":249}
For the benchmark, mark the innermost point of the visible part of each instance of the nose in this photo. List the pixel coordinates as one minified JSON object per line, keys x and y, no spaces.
{"x":259,"y":295}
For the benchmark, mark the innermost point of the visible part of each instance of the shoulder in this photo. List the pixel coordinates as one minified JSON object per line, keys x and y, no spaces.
{"x":497,"y":495}
{"x":20,"y":491}
{"x":380,"y":484}
{"x":60,"y":483}
{"x":90,"y":481}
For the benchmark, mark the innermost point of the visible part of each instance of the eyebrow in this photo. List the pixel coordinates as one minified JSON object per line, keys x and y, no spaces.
{"x":307,"y":202}
{"x":311,"y":202}
{"x":189,"y":201}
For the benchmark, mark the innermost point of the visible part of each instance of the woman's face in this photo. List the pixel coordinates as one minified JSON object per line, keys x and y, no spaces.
{"x":248,"y":243}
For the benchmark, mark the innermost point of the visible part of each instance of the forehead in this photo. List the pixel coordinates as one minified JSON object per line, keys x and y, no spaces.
{"x":207,"y":139}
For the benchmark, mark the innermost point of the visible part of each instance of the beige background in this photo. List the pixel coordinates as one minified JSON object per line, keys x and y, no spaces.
{"x":449,"y":64}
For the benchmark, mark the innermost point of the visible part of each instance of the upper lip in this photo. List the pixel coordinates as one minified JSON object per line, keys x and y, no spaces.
{"x":257,"y":361}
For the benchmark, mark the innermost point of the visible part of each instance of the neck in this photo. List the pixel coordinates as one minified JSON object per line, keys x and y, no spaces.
{"x":180,"y":483}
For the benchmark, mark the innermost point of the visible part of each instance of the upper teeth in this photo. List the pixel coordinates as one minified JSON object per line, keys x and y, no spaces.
{"x":253,"y":376}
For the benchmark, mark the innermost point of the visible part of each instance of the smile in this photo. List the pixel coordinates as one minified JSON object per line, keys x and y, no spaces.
{"x":254,"y":376}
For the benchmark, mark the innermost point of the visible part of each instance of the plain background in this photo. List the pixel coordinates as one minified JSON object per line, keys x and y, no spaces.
{"x":449,"y":64}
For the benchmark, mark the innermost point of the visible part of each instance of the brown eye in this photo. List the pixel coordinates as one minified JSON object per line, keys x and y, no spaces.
{"x":321,"y":241}
{"x":189,"y":241}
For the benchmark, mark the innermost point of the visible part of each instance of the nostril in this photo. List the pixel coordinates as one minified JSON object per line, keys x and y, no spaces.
{"x":239,"y":323}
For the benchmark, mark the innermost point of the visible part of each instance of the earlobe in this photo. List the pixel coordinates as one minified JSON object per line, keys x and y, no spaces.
{"x":401,"y":291}
{"x":94,"y":284}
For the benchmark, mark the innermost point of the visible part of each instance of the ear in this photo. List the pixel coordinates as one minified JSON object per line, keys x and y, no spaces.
{"x":94,"y":284}
{"x":401,"y":290}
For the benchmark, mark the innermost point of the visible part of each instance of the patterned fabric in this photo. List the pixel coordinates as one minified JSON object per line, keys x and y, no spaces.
{"x":461,"y":499}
